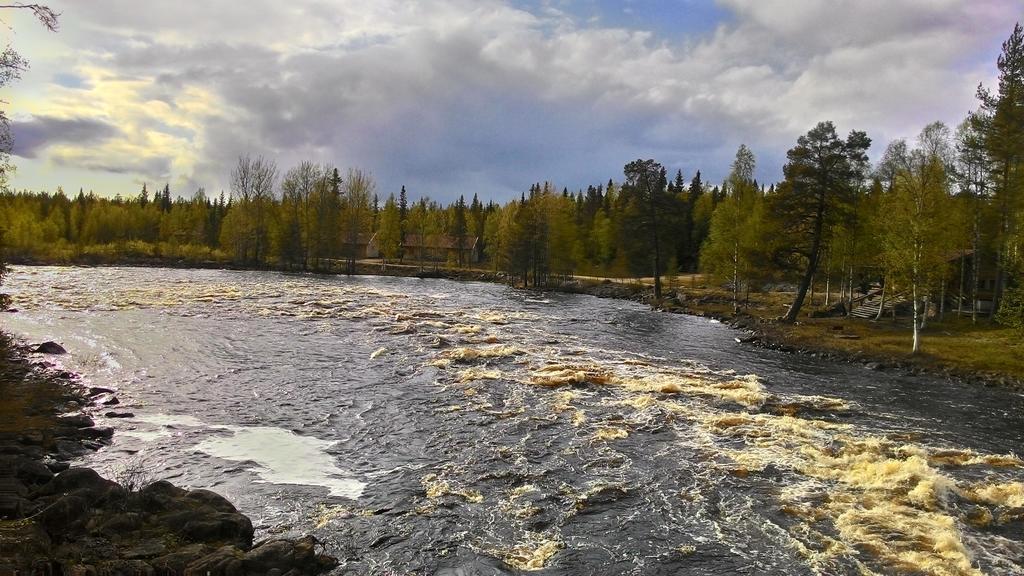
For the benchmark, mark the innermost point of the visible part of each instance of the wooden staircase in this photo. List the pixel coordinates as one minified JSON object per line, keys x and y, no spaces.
{"x":868,"y":307}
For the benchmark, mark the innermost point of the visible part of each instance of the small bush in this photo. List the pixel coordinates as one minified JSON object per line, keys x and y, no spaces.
{"x":131,"y":474}
{"x":1011,"y":309}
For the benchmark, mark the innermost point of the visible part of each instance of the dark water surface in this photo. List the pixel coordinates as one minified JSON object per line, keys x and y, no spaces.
{"x":433,"y":427}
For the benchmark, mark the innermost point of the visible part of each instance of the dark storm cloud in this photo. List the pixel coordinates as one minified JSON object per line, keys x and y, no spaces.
{"x":159,"y":167}
{"x":33,"y":136}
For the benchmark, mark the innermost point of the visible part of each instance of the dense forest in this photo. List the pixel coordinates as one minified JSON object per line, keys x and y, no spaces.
{"x":935,"y":221}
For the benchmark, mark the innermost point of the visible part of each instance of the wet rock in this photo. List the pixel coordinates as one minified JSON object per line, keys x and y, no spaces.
{"x":55,"y":466}
{"x":76,"y":421}
{"x":97,"y":432}
{"x":49,"y":347}
{"x":32,"y":437}
{"x":18,"y":450}
{"x":210,"y":499}
{"x":82,"y":570}
{"x":71,"y":521}
{"x":225,"y":561}
{"x":160,"y":495}
{"x":119,"y":415}
{"x":83,"y":482}
{"x":26,"y":470}
{"x":287,"y":556}
{"x":87,"y":549}
{"x":66,"y":516}
{"x":68,"y":449}
{"x":218,"y":527}
{"x":117,"y":523}
{"x":177,"y":561}
{"x":150,"y":548}
{"x":127,"y":568}
{"x":105,"y":400}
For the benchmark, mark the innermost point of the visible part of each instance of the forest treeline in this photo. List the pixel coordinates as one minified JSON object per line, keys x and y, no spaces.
{"x":935,"y":222}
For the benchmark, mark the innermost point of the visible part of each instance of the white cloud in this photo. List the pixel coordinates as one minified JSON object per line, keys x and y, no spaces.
{"x":445,"y":94}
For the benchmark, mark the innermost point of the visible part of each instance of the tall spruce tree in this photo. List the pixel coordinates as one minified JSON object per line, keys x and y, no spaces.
{"x":459,"y":228}
{"x":1002,"y":123}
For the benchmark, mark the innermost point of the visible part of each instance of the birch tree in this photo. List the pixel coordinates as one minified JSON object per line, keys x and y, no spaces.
{"x":915,"y":244}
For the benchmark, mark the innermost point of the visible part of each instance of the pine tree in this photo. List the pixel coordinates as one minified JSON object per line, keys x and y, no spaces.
{"x":389,"y":236}
{"x":165,"y":198}
{"x":403,"y":218}
{"x":1002,"y":122}
{"x":459,"y":228}
{"x":698,"y":213}
{"x":823,"y":175}
{"x":646,"y":183}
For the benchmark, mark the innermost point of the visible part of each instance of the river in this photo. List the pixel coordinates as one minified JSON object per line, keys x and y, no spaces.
{"x":434,"y":427}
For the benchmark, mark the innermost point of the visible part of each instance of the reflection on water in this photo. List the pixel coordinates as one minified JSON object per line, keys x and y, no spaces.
{"x":434,"y":427}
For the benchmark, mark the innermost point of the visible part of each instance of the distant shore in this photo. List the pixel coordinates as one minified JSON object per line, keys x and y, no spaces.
{"x":981,"y":353}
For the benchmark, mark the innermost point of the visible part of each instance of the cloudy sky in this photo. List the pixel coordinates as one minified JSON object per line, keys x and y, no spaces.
{"x":452,"y":97}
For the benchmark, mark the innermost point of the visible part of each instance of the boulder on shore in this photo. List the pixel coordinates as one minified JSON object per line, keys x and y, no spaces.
{"x":50,"y":347}
{"x":85,"y":520}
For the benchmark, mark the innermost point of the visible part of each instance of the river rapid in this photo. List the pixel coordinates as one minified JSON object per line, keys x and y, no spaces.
{"x":434,"y":427}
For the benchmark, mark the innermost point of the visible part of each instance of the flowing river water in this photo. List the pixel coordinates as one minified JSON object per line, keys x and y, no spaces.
{"x":434,"y":427}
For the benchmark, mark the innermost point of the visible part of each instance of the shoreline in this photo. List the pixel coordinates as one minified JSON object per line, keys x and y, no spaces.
{"x":771,"y":334}
{"x":59,"y":519}
{"x":759,"y":329}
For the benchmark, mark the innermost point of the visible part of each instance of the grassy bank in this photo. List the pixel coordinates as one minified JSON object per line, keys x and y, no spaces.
{"x":982,"y":350}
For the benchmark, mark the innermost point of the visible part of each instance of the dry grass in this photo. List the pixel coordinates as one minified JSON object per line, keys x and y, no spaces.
{"x":955,"y":343}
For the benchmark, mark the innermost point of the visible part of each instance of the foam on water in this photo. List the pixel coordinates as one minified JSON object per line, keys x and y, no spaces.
{"x":283,"y":457}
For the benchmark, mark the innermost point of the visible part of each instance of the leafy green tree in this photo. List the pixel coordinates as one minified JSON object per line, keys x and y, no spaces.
{"x":734,"y":248}
{"x":823,"y":176}
{"x":389,"y":236}
{"x":357,"y":213}
{"x":293,"y":213}
{"x":915,"y":242}
{"x":246,"y":228}
{"x":971,"y":171}
{"x":563,"y":248}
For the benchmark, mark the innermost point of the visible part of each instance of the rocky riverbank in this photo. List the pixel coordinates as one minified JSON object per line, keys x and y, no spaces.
{"x":55,"y":519}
